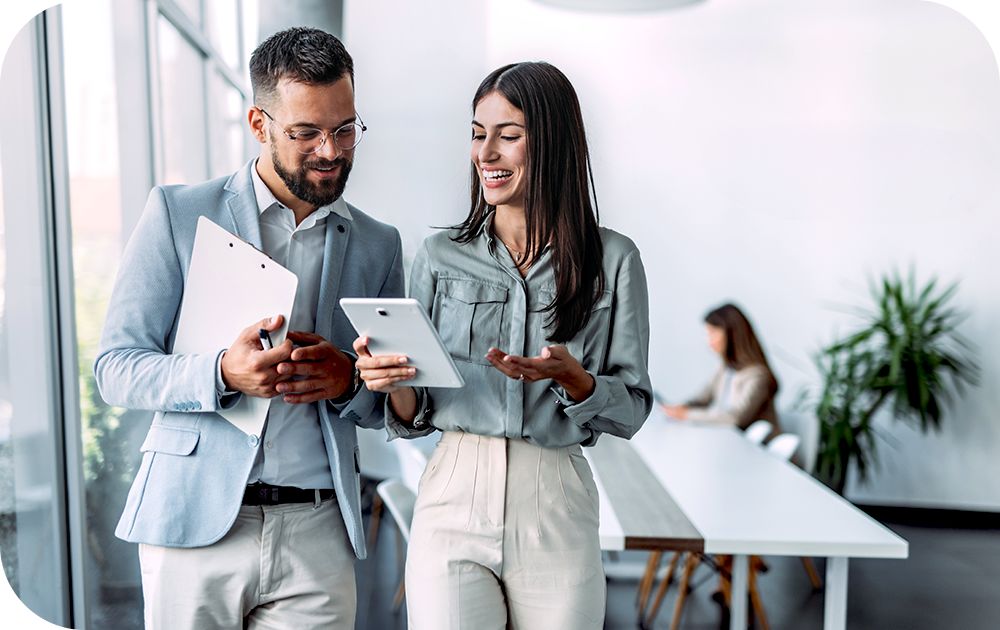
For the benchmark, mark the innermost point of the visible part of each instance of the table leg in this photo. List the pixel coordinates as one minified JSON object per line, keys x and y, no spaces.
{"x":835,"y":601}
{"x":738,"y":599}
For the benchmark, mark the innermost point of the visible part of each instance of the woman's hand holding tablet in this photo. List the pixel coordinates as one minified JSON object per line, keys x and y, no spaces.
{"x":399,"y":345}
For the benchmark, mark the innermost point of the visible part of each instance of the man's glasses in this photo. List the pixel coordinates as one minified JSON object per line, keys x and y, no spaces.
{"x":308,"y":140}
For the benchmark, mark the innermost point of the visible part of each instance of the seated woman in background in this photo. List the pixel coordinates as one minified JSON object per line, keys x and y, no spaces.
{"x":744,"y":388}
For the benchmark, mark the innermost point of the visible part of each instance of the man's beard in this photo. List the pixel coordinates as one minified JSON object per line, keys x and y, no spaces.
{"x":321,"y":194}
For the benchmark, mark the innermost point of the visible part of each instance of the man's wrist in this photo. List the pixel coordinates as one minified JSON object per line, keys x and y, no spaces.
{"x":222,"y":388}
{"x":354,"y":382}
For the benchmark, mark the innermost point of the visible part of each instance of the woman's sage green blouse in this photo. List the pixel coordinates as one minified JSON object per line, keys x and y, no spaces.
{"x":477,"y":299}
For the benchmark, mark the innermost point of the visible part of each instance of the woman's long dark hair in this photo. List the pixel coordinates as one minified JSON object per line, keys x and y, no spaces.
{"x":558,"y":189}
{"x":743,"y":349}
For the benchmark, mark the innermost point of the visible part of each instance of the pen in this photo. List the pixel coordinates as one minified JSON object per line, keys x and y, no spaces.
{"x":265,"y":339}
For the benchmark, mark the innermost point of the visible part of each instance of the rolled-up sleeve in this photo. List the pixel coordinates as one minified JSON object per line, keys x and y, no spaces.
{"x":623,"y":395}
{"x":419,"y":427}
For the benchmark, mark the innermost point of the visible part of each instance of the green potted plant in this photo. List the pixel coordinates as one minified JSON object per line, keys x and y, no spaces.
{"x":908,"y":354}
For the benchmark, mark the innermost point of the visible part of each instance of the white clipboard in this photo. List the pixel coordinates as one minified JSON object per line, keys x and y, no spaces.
{"x":230,"y":285}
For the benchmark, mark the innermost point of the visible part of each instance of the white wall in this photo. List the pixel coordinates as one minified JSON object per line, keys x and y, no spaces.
{"x":773,"y":152}
{"x":416,"y":70}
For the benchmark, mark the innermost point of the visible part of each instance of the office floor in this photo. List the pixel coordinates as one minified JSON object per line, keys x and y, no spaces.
{"x":949,"y":581}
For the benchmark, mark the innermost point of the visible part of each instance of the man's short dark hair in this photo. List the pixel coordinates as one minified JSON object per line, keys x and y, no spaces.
{"x":307,"y":55}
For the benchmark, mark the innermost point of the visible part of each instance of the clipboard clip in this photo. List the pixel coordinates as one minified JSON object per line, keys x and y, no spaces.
{"x":246,"y":242}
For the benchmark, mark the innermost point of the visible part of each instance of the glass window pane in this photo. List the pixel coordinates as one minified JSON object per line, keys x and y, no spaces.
{"x":182,"y":107}
{"x":223,"y":26}
{"x":32,"y":541}
{"x":251,"y":37}
{"x":193,"y":9}
{"x":111,"y":436}
{"x":227,"y":128}
{"x":8,"y":522}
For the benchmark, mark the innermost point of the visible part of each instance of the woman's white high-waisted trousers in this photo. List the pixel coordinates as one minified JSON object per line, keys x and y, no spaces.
{"x":504,"y":535}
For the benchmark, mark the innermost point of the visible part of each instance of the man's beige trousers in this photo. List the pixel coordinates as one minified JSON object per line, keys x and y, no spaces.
{"x":282,"y":567}
{"x":505,"y":535}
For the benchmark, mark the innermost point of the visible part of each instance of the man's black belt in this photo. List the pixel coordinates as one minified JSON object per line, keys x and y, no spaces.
{"x":266,"y":494}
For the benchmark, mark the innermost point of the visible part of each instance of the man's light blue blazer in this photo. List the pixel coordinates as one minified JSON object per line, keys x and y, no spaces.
{"x":195,"y":464}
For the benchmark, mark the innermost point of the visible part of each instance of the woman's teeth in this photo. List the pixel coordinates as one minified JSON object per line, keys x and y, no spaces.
{"x":492,"y":176}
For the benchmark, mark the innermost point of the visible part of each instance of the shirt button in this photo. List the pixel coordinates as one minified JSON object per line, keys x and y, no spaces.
{"x":270,"y":444}
{"x":253,"y":440}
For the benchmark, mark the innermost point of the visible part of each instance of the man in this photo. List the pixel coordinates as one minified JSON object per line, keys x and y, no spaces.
{"x":238,"y":530}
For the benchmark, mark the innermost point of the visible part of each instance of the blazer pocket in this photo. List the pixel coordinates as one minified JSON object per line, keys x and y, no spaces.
{"x":170,"y":440}
{"x":468,"y":314}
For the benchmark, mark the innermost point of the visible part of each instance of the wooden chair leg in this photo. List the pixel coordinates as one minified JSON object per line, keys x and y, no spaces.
{"x":755,"y":600}
{"x":682,"y":588}
{"x":646,"y":583}
{"x":814,"y":579}
{"x":725,"y":581}
{"x":662,"y":590}
{"x":374,"y":523}
{"x":397,"y":601}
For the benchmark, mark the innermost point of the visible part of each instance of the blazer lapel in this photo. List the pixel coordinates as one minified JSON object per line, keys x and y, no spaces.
{"x":242,"y":205}
{"x":338,"y":233}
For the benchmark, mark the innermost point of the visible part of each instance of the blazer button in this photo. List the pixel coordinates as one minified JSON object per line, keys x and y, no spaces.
{"x":340,"y":228}
{"x":253,"y":440}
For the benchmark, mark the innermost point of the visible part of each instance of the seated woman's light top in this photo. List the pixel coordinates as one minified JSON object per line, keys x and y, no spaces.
{"x":478,"y":301}
{"x":743,"y":389}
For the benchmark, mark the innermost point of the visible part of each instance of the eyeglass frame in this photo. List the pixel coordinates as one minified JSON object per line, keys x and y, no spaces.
{"x":284,"y":130}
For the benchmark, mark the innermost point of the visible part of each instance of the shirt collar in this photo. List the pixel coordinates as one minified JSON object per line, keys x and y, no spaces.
{"x":491,"y":239}
{"x":487,"y":234}
{"x":266,"y":199}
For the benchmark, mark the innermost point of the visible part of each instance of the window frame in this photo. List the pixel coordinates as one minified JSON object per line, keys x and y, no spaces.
{"x":31,"y":180}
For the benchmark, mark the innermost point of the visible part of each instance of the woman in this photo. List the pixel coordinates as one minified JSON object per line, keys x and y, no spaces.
{"x":546,"y":316}
{"x":744,"y":388}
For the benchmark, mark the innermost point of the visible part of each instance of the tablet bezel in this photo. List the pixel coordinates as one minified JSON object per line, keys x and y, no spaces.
{"x":423,"y":345}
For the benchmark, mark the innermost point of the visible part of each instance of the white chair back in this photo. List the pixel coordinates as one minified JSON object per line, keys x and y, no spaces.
{"x":378,"y":458}
{"x":806,"y":426}
{"x":412,"y":462}
{"x":758,"y":431}
{"x":399,"y":500}
{"x":784,"y":445}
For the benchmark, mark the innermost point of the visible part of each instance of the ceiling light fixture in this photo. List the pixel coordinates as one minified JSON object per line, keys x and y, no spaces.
{"x":608,"y":6}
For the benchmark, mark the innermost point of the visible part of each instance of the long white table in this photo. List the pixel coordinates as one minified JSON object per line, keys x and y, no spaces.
{"x":725,"y":495}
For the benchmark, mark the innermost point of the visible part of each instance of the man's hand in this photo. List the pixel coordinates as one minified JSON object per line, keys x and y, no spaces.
{"x":553,"y":362}
{"x":320,"y":370}
{"x":248,"y":368}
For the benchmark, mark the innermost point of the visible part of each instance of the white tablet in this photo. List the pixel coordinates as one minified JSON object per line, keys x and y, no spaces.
{"x":401,"y":326}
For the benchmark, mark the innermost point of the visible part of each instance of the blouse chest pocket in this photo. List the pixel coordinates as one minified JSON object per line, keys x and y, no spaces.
{"x":590,"y":345}
{"x":468,"y":314}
